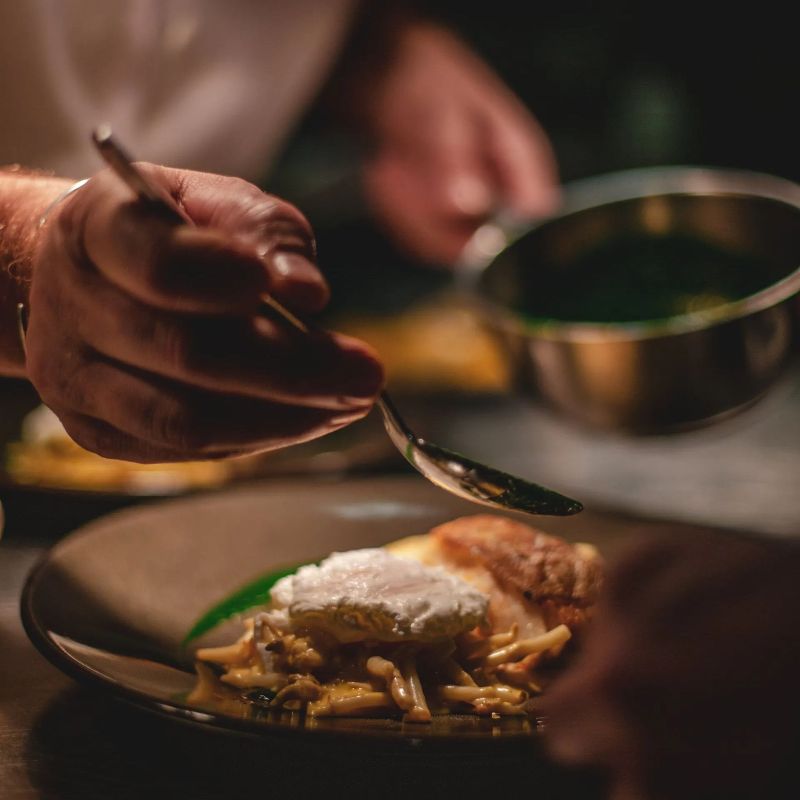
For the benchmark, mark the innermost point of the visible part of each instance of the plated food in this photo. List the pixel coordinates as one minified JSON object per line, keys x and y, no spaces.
{"x":45,"y":456}
{"x":468,"y":618}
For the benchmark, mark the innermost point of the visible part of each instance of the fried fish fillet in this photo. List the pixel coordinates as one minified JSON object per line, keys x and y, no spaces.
{"x":534,"y":580}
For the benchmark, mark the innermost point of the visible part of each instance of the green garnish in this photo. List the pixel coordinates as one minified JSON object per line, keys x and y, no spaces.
{"x":255,"y":593}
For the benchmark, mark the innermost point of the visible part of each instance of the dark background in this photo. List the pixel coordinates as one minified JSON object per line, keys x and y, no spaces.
{"x":621,"y":85}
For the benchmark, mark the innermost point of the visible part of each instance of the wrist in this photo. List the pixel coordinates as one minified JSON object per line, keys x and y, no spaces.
{"x":24,"y":197}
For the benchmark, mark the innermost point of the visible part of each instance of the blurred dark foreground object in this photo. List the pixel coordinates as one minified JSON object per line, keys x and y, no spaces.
{"x":614,"y":368}
{"x":687,"y":686}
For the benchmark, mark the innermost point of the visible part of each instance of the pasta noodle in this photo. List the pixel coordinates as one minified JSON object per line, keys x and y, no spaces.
{"x":389,"y":678}
{"x":555,"y":638}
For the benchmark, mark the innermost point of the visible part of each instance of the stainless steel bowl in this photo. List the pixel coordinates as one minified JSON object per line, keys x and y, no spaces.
{"x":660,"y":376}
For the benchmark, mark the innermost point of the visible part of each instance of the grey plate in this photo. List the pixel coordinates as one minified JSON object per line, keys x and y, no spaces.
{"x":111,"y":603}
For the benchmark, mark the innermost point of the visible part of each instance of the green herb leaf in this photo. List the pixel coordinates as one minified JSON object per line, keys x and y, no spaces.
{"x":255,"y":593}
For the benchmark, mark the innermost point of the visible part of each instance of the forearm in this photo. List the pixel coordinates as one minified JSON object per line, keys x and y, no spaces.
{"x":24,"y":196}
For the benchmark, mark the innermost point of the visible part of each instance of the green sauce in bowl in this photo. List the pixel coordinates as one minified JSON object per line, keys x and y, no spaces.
{"x":641,"y":277}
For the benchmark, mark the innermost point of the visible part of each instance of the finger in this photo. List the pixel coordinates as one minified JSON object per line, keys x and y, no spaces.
{"x":459,"y":184}
{"x":105,"y":440}
{"x":399,"y":192}
{"x":521,"y":157}
{"x":255,"y":358}
{"x":175,"y":267}
{"x":221,"y":268}
{"x":277,"y":230}
{"x":192,"y":423}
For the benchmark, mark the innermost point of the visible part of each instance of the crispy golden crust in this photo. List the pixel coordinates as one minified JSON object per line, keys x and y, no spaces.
{"x":555,"y":575}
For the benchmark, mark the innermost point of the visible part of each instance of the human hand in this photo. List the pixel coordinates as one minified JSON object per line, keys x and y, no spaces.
{"x":453,"y":146}
{"x":142,"y":334}
{"x":686,"y":686}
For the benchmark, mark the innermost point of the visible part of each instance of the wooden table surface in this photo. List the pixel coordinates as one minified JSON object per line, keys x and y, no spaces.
{"x":59,"y":740}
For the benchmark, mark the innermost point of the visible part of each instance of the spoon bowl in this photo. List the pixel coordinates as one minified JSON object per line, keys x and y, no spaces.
{"x":470,"y":479}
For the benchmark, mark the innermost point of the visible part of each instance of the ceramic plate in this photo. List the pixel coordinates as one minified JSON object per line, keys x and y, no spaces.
{"x":111,"y":603}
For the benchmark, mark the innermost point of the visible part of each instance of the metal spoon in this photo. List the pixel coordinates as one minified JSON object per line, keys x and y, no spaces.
{"x":451,"y":471}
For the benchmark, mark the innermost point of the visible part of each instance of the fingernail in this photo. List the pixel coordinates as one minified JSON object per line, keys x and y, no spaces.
{"x":294,"y":266}
{"x":346,"y":400}
{"x":346,"y":419}
{"x":299,"y":282}
{"x":470,"y":195}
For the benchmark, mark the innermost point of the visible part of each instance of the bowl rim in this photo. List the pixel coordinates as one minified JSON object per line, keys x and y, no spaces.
{"x":621,"y":186}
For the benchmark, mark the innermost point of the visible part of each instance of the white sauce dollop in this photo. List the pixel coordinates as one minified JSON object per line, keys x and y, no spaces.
{"x":372,"y":594}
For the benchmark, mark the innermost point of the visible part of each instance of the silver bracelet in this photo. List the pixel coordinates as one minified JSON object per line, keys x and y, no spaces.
{"x":22,"y":312}
{"x":22,"y":327}
{"x":63,"y":196}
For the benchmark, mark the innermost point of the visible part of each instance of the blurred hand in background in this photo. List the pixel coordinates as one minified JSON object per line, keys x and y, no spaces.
{"x":687,"y":684}
{"x":452,"y":145}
